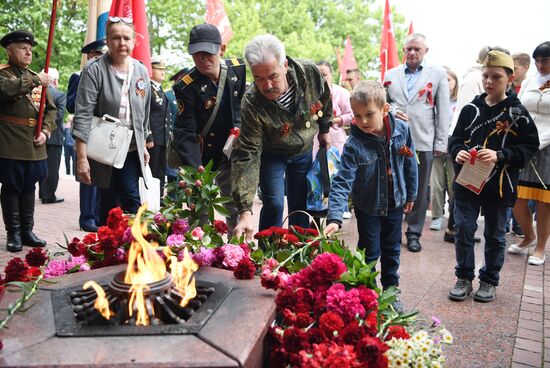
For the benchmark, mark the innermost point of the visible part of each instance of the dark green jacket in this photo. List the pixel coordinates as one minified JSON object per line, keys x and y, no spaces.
{"x":20,"y":97}
{"x":266,"y":126}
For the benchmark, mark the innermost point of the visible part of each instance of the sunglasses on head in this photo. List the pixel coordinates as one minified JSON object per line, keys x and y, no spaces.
{"x":126,"y":20}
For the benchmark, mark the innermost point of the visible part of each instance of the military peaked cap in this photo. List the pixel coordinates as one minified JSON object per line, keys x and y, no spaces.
{"x":18,"y":36}
{"x":99,"y":45}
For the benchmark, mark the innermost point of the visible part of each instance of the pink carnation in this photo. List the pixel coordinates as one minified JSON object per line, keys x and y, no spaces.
{"x":127,"y":237}
{"x":345,"y":303}
{"x":175,"y":240}
{"x":56,"y":267}
{"x":77,"y":262}
{"x":328,"y":267}
{"x":232,"y":254}
{"x":204,"y":257}
{"x":197,"y":233}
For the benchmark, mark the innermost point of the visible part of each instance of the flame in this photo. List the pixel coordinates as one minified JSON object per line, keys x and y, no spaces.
{"x":146,"y":266}
{"x":101,"y":303}
{"x":182,"y":276}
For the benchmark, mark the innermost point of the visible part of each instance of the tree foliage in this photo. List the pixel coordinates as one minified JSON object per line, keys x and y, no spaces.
{"x":308,"y":28}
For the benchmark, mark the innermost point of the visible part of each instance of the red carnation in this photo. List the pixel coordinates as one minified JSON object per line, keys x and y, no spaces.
{"x":278,"y":231}
{"x":371,"y":350}
{"x":90,"y":238}
{"x":76,"y":248}
{"x":397,"y":332}
{"x":316,"y":335}
{"x":245,"y":269}
{"x":295,"y":339}
{"x":115,"y":218}
{"x":330,"y":323}
{"x":303,"y":320}
{"x":16,"y":270}
{"x":220,"y":227}
{"x":33,"y":273}
{"x":369,"y":297}
{"x":329,"y":267}
{"x":36,"y":257}
{"x":263,"y":234}
{"x":291,"y":238}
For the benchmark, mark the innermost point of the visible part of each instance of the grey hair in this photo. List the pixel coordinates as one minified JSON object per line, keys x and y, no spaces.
{"x":417,"y":37}
{"x":263,"y":49}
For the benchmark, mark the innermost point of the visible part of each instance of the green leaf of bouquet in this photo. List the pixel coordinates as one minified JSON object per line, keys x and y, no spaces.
{"x":206,"y":240}
{"x":283,"y":255}
{"x":257,"y":255}
{"x":221,"y":210}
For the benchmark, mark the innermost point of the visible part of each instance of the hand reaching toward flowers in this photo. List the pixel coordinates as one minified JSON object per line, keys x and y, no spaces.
{"x":244,"y":226}
{"x":331,"y":229}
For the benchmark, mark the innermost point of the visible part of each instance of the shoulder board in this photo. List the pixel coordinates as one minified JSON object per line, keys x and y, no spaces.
{"x":234,"y":62}
{"x":4,"y":66}
{"x":32,"y":72}
{"x":187,"y":79}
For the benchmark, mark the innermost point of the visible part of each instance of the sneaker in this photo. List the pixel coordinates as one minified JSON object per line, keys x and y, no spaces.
{"x":436,"y":223}
{"x":485,"y":293}
{"x":346,"y":215}
{"x":518,"y":231}
{"x":461,"y":290}
{"x":397,"y":305}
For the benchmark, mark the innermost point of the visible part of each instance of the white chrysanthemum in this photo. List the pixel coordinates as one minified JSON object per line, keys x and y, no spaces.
{"x":436,"y":364}
{"x":446,"y":336}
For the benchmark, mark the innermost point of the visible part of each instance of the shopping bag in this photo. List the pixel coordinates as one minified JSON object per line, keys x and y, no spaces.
{"x":319,"y":176}
{"x":150,"y":193}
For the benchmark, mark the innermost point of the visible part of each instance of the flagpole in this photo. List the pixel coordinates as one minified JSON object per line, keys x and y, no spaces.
{"x":46,"y":68}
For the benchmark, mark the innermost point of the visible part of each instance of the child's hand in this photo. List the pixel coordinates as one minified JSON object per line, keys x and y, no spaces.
{"x":331,"y":229}
{"x":462,"y":156}
{"x":408,"y":207}
{"x":487,"y":155}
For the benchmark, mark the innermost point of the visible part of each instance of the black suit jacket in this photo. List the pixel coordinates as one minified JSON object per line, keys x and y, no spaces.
{"x":160,"y":116}
{"x":195,"y":97}
{"x":60,"y":100}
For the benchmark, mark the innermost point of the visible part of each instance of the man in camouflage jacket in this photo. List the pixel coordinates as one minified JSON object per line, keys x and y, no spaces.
{"x":281,"y":113}
{"x":22,"y":156}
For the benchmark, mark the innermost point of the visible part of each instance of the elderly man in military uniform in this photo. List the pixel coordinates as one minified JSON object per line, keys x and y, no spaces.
{"x":282,"y":112}
{"x":22,"y":155}
{"x":212,"y":89}
{"x":160,"y":121}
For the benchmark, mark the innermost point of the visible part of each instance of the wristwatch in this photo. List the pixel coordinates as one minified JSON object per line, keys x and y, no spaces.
{"x":500,"y":156}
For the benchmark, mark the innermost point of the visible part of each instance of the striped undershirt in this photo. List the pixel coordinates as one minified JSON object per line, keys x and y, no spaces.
{"x":287,"y":99}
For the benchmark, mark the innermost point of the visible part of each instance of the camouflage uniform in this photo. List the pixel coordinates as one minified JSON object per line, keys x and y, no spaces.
{"x":22,"y":164}
{"x":268,"y":127}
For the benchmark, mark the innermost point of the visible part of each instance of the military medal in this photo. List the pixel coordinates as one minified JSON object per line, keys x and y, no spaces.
{"x":210,"y":102}
{"x":234,"y":78}
{"x":315,"y":111}
{"x":308,"y":124}
{"x":236,"y":93}
{"x":285,"y":130}
{"x":140,"y":87}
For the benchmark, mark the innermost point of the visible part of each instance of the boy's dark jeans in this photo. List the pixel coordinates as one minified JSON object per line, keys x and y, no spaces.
{"x":466,"y":213}
{"x":380,"y":236}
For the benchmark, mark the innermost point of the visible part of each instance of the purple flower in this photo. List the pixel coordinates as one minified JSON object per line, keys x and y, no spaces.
{"x":181,"y":226}
{"x":76,"y":263}
{"x":232,"y":254}
{"x":204,"y":257}
{"x":56,"y":267}
{"x":436,"y":321}
{"x":128,"y":237}
{"x":160,"y":219}
{"x":175,"y":240}
{"x":120,"y":254}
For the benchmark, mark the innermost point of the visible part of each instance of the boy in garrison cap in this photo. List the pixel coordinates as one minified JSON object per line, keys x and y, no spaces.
{"x":496,"y":128}
{"x":22,"y":153}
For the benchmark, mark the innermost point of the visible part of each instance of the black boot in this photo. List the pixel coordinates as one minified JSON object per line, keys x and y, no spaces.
{"x":10,"y":212}
{"x":26,"y":206}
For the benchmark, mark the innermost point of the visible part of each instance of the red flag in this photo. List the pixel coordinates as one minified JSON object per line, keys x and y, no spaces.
{"x":388,"y":47}
{"x":411,"y":31}
{"x":216,"y":15}
{"x":340,"y":63}
{"x":349,"y":59}
{"x":135,"y":9}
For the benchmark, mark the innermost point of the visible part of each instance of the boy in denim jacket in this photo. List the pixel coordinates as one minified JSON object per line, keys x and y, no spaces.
{"x":379,"y":168}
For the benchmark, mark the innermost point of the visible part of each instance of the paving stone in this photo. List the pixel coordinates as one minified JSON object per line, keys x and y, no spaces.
{"x":527,"y":357}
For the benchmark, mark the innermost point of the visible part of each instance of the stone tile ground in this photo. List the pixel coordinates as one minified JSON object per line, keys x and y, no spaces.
{"x":513,"y":331}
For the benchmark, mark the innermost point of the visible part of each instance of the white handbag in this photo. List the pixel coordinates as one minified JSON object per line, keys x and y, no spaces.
{"x":150,"y":193}
{"x":109,"y":141}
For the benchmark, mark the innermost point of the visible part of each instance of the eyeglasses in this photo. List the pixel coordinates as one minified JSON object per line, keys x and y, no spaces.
{"x":126,"y":20}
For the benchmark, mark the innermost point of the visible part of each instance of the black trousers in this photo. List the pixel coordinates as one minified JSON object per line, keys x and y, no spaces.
{"x":48,"y":186}
{"x":157,"y":162}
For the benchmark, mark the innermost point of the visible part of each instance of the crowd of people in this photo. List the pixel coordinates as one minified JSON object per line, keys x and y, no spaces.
{"x":402,"y":141}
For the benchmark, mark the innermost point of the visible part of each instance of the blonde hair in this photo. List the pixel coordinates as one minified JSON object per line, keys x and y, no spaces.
{"x":369,"y":90}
